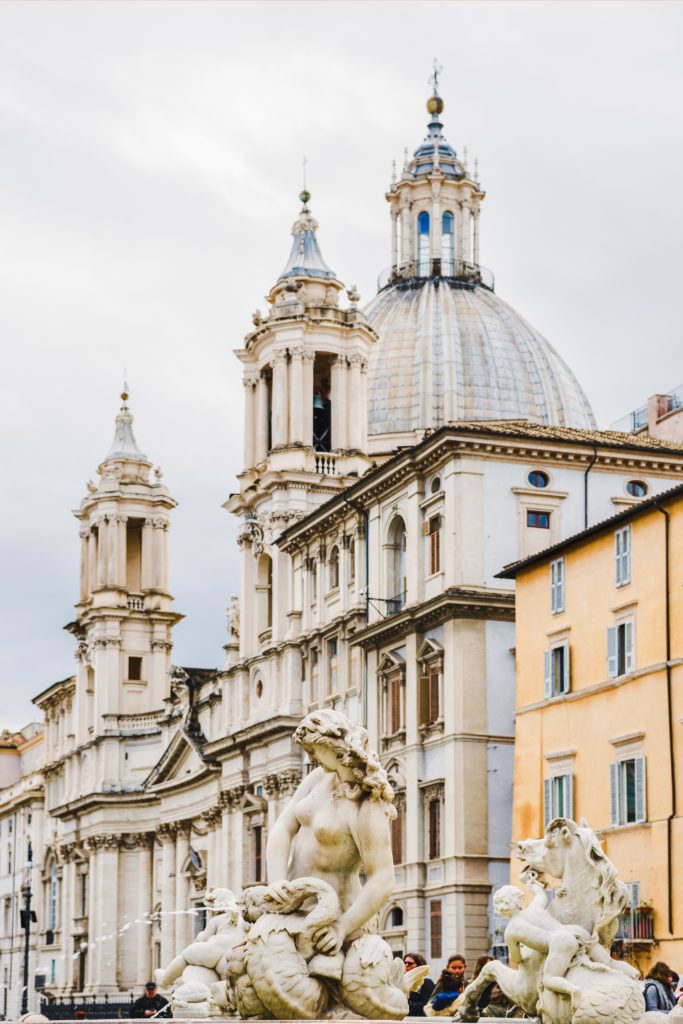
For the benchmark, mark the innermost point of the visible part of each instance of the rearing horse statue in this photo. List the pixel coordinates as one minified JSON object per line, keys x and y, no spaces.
{"x":565,"y":974}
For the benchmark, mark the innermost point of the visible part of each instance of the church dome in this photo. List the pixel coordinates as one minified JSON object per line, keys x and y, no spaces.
{"x":453,"y":351}
{"x":449,"y":349}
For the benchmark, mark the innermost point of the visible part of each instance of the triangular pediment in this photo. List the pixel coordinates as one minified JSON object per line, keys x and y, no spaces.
{"x":180,"y":760}
{"x":391,"y":662}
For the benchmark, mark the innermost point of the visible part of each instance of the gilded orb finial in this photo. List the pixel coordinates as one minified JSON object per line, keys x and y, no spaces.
{"x":435,"y":103}
{"x":125,"y":392}
{"x":304,"y":196}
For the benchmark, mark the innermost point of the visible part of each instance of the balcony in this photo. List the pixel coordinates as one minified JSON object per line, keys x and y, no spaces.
{"x":635,"y":926}
{"x":136,"y":602}
{"x":458,"y":272}
{"x":395,"y":605}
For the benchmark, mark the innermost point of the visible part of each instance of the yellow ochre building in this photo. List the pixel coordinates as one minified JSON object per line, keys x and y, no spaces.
{"x":599,"y":705}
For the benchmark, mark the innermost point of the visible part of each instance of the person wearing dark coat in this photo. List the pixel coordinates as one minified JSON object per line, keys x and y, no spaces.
{"x":151,"y":1004}
{"x":657,"y":990}
{"x":417,"y":1000}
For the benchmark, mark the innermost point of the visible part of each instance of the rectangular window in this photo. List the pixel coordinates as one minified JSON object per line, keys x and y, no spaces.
{"x":556,"y":671}
{"x":258,"y":853}
{"x":429,"y":697}
{"x":434,"y":544}
{"x":621,"y":657}
{"x":435,"y":929}
{"x":397,"y":835}
{"x":134,"y":668}
{"x":557,"y":585}
{"x":434,"y":829}
{"x":314,"y":583}
{"x":332,"y":678}
{"x":627,"y":791}
{"x":558,"y":798}
{"x":622,"y":555}
{"x":395,"y":705}
{"x":539,"y":520}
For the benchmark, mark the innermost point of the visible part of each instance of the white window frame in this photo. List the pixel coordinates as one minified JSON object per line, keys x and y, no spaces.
{"x":622,"y":555}
{"x":551,"y":801}
{"x":622,"y":634}
{"x":557,"y":578}
{"x":550,"y":657}
{"x":618,"y":794}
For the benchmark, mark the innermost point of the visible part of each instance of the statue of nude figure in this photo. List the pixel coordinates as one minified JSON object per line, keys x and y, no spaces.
{"x":337,"y":824}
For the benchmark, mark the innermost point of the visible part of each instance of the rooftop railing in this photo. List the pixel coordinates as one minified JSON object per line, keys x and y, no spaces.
{"x":458,"y":271}
{"x":637,"y":420}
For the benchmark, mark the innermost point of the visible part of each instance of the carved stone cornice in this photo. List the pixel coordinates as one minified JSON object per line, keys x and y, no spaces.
{"x":104,"y":642}
{"x":102,"y":842}
{"x":162,"y":645}
{"x":167,"y":831}
{"x":232,"y":798}
{"x":213,"y":816}
{"x":281,"y":784}
{"x":137,"y":840}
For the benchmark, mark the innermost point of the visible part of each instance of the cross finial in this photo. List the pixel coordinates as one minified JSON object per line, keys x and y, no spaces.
{"x":434,"y":77}
{"x":304,"y":195}
{"x":303,"y":170}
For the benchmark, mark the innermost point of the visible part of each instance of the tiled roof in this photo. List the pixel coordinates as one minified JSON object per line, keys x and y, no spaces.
{"x":511,"y":571}
{"x":575,"y":435}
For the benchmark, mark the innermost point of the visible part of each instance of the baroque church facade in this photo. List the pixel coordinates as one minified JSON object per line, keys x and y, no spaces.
{"x":395,"y":458}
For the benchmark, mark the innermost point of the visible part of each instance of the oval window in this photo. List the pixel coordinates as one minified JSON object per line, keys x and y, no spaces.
{"x":259,"y":688}
{"x":636,"y":488}
{"x":436,"y":485}
{"x":537,"y":478}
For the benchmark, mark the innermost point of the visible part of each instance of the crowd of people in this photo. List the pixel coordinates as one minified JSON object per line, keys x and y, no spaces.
{"x":662,"y":990}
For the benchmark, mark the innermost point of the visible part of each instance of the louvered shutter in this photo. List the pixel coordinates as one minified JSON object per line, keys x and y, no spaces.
{"x":565,"y":666}
{"x":569,"y":795}
{"x":615,"y":802}
{"x":611,"y":651}
{"x":548,"y":674}
{"x":548,"y":814}
{"x":617,"y":557}
{"x":641,"y":814}
{"x":629,"y":652}
{"x":424,"y":700}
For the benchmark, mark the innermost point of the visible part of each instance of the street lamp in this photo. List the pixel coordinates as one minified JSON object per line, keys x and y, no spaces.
{"x":28,"y":917}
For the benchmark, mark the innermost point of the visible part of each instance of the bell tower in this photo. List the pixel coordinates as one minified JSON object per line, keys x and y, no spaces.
{"x":305,"y":428}
{"x":124,"y":613}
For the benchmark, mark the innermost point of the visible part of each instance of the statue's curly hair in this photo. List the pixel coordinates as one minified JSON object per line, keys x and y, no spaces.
{"x":351,"y":744}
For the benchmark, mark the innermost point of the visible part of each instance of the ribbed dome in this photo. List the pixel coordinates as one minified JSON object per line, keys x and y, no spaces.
{"x":450,"y":353}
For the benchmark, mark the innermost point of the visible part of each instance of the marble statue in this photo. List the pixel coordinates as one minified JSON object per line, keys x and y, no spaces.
{"x":562,"y":970}
{"x":309,"y":946}
{"x":196,"y":974}
{"x":234,"y":617}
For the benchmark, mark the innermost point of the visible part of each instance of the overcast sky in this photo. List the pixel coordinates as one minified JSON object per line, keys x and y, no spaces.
{"x":150,"y":161}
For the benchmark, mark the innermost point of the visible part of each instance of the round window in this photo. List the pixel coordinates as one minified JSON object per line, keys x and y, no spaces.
{"x":436,"y":485}
{"x":537,"y":478}
{"x":636,"y":488}
{"x":259,"y":688}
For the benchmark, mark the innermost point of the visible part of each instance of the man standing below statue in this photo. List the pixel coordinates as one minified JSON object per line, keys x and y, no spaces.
{"x":151,"y":1004}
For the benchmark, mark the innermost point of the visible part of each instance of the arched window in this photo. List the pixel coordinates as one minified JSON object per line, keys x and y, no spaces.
{"x":448,"y":243}
{"x":423,"y":244}
{"x":333,"y":568}
{"x":395,"y":919}
{"x":396,"y":565}
{"x":352,"y":561}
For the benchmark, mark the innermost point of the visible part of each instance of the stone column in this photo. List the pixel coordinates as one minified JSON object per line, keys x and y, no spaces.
{"x":164,"y":555}
{"x":355,"y":412}
{"x":147,"y":556}
{"x":475,"y":233}
{"x":261,"y":448}
{"x":467,"y":233}
{"x":249,"y":381}
{"x":167,"y":834}
{"x":280,"y":403}
{"x":307,"y":399}
{"x":183,"y":920}
{"x":364,"y":406}
{"x":144,"y":908}
{"x":122,"y":553}
{"x":407,"y":253}
{"x":113,"y":550}
{"x":297,"y":408}
{"x":460,"y":221}
{"x":338,"y":398}
{"x":84,"y":534}
{"x":106,"y":951}
{"x":90,"y":964}
{"x":92,"y":562}
{"x":435,"y":225}
{"x":394,"y":237}
{"x":102,"y":550}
